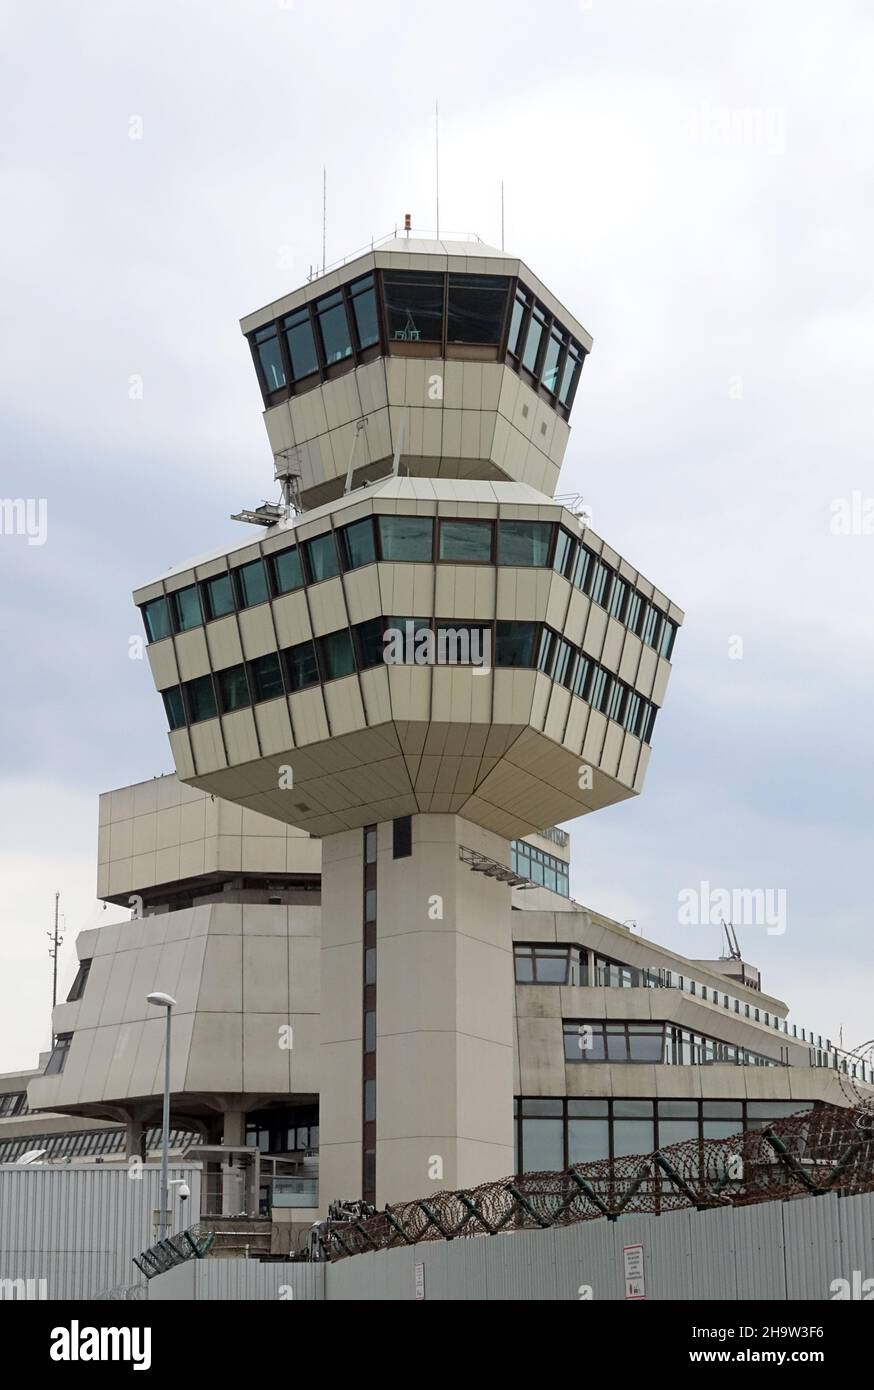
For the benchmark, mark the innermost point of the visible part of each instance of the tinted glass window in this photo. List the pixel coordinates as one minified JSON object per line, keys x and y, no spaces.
{"x":666,"y":645}
{"x":414,"y":306}
{"x":550,"y":361}
{"x":186,"y":608}
{"x":516,"y":323}
{"x":357,"y":545}
{"x":156,"y":616}
{"x":514,"y":643}
{"x":563,"y":561}
{"x":406,"y":538}
{"x":651,"y":625}
{"x":322,"y":558}
{"x":580,"y":679}
{"x":370,"y":641}
{"x":598,"y":581}
{"x":536,"y":328}
{"x":201,"y":699}
{"x":233,"y":688}
{"x":252,"y":581}
{"x":402,"y":837}
{"x":266,"y":677}
{"x":618,"y":594}
{"x":334,"y":328}
{"x":598,"y":693}
{"x":174,"y":707}
{"x":301,"y":344}
{"x":569,"y":376}
{"x":287,"y":572}
{"x":584,"y":560}
{"x":543,"y":1145}
{"x":632,"y":617}
{"x":369,"y":1101}
{"x":462,"y":644}
{"x":632,"y":713}
{"x":523,"y":542}
{"x":270,"y":358}
{"x":476,"y":308}
{"x":364,"y":308}
{"x":337,"y":656}
{"x":219,"y":596}
{"x":562,"y":668}
{"x":301,"y":666}
{"x":469,"y":541}
{"x":588,"y":1140}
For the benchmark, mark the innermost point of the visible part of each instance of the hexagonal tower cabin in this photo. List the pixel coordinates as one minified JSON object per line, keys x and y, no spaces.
{"x":423,"y":657}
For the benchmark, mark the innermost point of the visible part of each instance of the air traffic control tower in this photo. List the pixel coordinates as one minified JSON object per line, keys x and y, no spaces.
{"x":417,"y":403}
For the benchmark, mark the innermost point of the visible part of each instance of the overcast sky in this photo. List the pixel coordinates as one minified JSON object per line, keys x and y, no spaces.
{"x":694,"y":180}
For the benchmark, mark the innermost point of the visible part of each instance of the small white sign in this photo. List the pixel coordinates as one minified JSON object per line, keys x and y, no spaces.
{"x":418,"y":1282}
{"x":635,"y":1281}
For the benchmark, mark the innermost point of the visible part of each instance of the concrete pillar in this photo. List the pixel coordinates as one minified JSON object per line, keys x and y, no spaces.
{"x":233,"y":1178}
{"x":444,"y":1014}
{"x":134,"y":1138}
{"x":234,"y":1128}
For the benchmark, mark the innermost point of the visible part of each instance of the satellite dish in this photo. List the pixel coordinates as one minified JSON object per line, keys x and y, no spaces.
{"x":31,"y":1156}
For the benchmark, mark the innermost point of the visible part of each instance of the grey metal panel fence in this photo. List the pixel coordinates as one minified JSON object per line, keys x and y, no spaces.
{"x":759,"y":1259}
{"x":231,"y":1281}
{"x":774,"y":1252}
{"x":714,"y":1256}
{"x":814,"y":1247}
{"x":856,"y":1237}
{"x":73,"y":1229}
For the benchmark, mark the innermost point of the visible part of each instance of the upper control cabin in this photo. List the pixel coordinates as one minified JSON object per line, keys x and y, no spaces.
{"x":452,"y":353}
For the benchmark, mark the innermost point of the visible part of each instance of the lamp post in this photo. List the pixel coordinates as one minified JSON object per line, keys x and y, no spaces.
{"x":165,"y":1001}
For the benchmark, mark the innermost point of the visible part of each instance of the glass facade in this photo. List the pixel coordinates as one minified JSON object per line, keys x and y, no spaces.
{"x":340,"y":653}
{"x":423,"y":313}
{"x":553,"y":1134}
{"x":410,"y":539}
{"x":546,"y":870}
{"x":665,"y":1044}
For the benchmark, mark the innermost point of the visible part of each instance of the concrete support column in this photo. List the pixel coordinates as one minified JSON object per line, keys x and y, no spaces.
{"x":234,"y":1128}
{"x":233,"y":1178}
{"x":444,"y":1013}
{"x":133,"y":1139}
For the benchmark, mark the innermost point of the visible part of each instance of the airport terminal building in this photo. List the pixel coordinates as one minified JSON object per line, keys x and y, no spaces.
{"x":380,"y":705}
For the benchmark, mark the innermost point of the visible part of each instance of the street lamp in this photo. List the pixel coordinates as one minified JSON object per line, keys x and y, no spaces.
{"x":165,"y":1001}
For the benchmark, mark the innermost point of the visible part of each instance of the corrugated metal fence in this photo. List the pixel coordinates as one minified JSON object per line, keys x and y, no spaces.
{"x":773,"y":1251}
{"x":77,"y":1226}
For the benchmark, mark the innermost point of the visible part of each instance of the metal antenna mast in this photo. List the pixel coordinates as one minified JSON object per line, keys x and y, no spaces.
{"x":437,"y":160}
{"x":502,"y":214}
{"x":57,"y":942}
{"x":324,"y":217}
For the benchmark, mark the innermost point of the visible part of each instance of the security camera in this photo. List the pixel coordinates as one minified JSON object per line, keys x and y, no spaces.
{"x":184,"y":1190}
